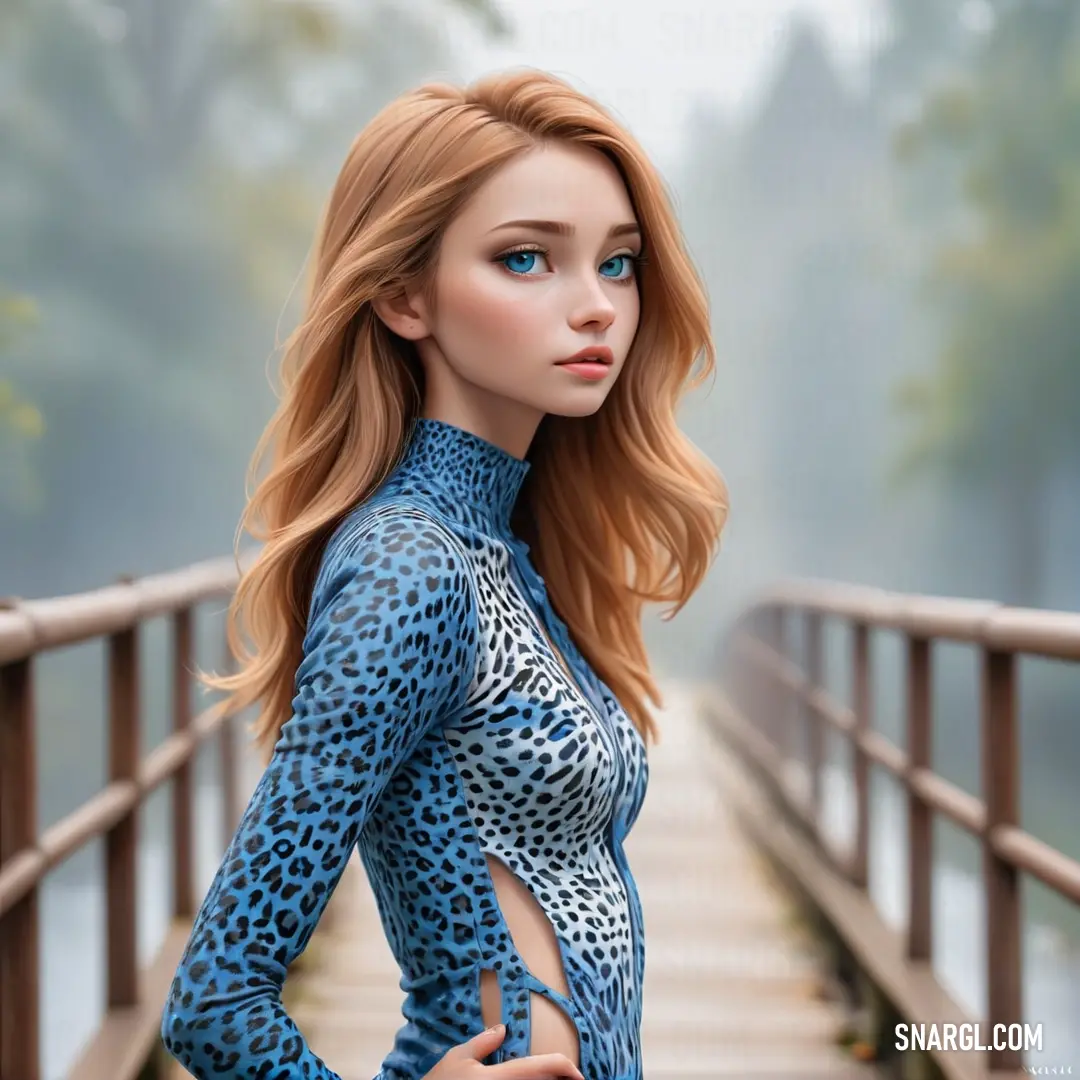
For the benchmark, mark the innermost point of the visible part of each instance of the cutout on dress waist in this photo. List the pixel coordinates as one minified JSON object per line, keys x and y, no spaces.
{"x":550,"y":1027}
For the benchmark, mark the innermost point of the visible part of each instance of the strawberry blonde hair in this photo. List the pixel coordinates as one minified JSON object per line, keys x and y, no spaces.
{"x":642,"y":519}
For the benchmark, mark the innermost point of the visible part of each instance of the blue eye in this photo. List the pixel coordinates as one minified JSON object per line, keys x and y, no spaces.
{"x":522,"y":263}
{"x":626,"y":261}
{"x":525,"y":261}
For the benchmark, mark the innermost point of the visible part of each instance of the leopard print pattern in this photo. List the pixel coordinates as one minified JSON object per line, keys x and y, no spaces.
{"x":433,"y":725}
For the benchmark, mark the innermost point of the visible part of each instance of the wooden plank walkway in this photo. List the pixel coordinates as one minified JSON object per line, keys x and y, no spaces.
{"x":732,"y":987}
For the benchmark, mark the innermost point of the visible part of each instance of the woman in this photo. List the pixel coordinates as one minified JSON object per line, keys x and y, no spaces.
{"x":476,"y":484}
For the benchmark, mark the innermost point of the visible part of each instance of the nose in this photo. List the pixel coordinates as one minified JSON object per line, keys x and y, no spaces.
{"x":594,"y":309}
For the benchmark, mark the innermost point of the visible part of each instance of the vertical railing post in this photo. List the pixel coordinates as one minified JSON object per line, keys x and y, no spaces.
{"x":19,"y":927}
{"x":813,"y":722}
{"x":121,"y":841}
{"x":183,"y":841}
{"x":785,"y":743}
{"x":920,"y":817}
{"x":760,"y":682}
{"x":1000,"y":773}
{"x":775,"y":694}
{"x":861,"y":696}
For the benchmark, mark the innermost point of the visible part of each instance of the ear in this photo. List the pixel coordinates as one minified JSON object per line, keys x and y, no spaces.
{"x":403,"y":314}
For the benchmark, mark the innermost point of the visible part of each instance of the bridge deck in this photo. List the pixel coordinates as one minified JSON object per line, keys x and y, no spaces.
{"x":732,"y":987}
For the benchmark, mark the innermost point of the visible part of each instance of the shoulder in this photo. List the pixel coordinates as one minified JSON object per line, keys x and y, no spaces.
{"x":394,"y":588}
{"x":396,"y":549}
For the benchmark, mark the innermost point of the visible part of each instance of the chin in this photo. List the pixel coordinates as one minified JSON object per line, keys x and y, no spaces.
{"x":585,"y":405}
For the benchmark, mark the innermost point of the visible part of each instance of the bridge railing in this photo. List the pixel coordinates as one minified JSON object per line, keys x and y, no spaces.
{"x":120,"y":1048}
{"x":776,"y":710}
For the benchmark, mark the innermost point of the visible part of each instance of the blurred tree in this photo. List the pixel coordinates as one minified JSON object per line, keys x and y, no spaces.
{"x":929,"y":41}
{"x":925,"y":38}
{"x":162,"y":168}
{"x":1000,"y":410}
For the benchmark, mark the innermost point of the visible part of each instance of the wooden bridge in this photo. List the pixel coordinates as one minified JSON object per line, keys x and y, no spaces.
{"x":766,"y":957}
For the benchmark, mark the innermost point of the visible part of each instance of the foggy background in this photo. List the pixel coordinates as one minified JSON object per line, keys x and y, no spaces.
{"x":884,"y":198}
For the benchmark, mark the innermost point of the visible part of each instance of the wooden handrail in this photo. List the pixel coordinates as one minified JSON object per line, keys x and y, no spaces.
{"x":28,"y":627}
{"x":120,"y":1047}
{"x":759,"y":645}
{"x":771,"y":696}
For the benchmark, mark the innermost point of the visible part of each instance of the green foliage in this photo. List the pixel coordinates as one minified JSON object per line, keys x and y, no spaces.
{"x":21,"y":423}
{"x":162,"y":169}
{"x":16,"y":312}
{"x":19,"y":417}
{"x":1006,"y":282}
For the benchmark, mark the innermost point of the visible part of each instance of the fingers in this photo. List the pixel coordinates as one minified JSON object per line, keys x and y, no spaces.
{"x":479,"y":1046}
{"x":538,"y":1067}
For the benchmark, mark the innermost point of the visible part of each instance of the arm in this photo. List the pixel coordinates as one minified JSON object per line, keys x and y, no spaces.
{"x":387,"y":654}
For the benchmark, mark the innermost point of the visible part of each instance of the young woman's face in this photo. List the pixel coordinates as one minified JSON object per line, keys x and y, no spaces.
{"x":514,"y":301}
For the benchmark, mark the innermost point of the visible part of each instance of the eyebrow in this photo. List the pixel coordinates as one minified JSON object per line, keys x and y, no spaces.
{"x":562,"y":228}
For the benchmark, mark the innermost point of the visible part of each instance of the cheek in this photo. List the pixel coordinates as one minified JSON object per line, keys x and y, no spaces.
{"x":629,"y":311}
{"x":482,"y":310}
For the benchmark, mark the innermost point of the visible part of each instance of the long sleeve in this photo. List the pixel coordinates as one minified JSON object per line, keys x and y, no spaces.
{"x":390,"y":649}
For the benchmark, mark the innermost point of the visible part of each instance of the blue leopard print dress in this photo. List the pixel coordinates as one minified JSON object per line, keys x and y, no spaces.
{"x":432,"y":724}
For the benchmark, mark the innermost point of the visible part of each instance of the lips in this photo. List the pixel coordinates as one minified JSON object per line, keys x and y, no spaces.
{"x":597,"y":354}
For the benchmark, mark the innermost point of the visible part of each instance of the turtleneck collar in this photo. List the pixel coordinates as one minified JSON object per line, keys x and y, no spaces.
{"x":466,"y":467}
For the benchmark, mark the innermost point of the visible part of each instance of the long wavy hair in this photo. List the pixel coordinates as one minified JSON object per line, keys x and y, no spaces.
{"x":642,"y":519}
